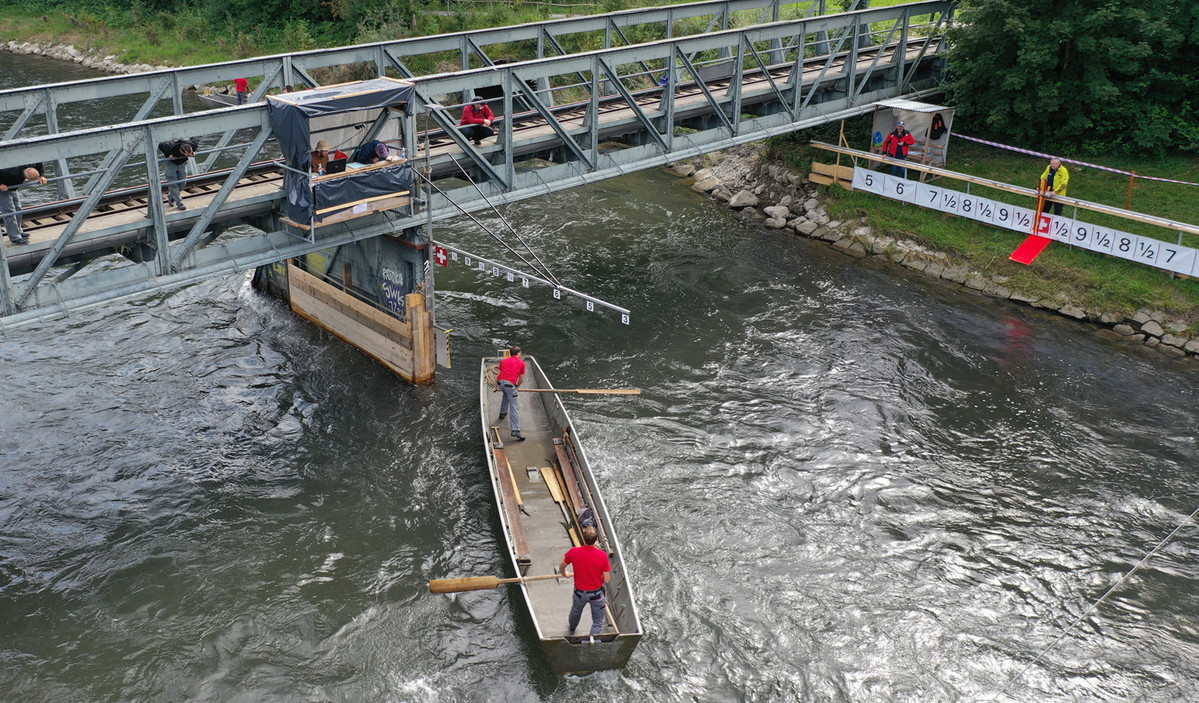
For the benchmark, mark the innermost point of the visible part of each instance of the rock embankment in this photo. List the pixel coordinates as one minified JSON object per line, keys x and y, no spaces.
{"x":88,"y":59}
{"x":779,"y":198}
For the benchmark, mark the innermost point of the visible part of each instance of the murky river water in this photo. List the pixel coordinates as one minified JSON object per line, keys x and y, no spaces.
{"x":841,"y":483}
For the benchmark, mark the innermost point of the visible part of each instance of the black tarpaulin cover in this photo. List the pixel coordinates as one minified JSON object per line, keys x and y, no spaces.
{"x":290,"y":113}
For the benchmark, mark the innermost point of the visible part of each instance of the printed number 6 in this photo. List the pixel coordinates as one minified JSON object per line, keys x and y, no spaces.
{"x":899,"y":189}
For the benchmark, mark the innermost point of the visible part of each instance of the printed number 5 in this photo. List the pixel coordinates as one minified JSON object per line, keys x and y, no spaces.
{"x":869,"y":178}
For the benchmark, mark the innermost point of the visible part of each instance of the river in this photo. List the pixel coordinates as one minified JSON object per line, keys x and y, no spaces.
{"x":842,"y":482}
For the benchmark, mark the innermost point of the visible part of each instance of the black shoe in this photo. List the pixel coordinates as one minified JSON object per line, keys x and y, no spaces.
{"x":517,"y":437}
{"x":503,"y":415}
{"x":478,"y":142}
{"x":181,"y":206}
{"x":19,"y":242}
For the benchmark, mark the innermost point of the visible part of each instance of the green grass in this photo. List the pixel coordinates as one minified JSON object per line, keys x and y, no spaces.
{"x":1095,"y":281}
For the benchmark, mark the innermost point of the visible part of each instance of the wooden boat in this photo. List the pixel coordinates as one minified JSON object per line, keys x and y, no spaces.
{"x":218,"y":99}
{"x":540,"y":486}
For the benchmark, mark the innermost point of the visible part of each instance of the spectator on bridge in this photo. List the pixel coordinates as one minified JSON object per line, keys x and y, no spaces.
{"x":896,"y":146}
{"x":371,"y":152}
{"x":242,"y":86}
{"x":10,"y":201}
{"x":177,"y":153}
{"x":1054,"y":182}
{"x":320,"y":157}
{"x":476,"y":121}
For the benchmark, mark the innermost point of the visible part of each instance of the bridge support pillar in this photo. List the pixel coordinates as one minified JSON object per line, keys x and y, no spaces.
{"x":370,"y":294}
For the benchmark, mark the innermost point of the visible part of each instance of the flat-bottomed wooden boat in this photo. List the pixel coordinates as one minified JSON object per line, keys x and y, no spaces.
{"x":540,"y":486}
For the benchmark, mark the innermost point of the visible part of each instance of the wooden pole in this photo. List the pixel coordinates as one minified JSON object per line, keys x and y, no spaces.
{"x":480,"y":583}
{"x":1128,"y":203}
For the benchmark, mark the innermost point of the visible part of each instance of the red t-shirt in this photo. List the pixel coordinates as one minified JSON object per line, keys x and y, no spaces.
{"x":590,"y":564}
{"x":511,"y":369}
{"x":241,"y":84}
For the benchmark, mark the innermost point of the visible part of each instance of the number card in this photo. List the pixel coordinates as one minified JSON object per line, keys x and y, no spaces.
{"x":468,"y":262}
{"x":1102,"y":240}
{"x":1080,"y":236}
{"x":1022,"y":219}
{"x":1059,"y":229}
{"x":524,"y":282}
{"x":557,"y":294}
{"x":967,"y":205}
{"x":495,"y":270}
{"x":867,"y":180}
{"x":1125,"y":245}
{"x":1147,"y":250}
{"x":950,"y":201}
{"x":482,"y":266}
{"x":984,"y":210}
{"x":624,"y":318}
{"x":590,"y":306}
{"x":453,"y":256}
{"x":511,"y":277}
{"x":928,"y":196}
{"x":1178,"y":259}
{"x":899,"y":188}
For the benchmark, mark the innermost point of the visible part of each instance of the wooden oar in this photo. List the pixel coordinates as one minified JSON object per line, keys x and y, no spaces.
{"x":481,"y":583}
{"x":591,"y":391}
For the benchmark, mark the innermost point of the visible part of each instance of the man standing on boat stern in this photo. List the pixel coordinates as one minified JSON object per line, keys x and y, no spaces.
{"x":512,"y":372}
{"x":592,"y":572}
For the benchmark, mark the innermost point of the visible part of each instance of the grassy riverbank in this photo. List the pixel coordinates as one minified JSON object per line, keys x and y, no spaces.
{"x":1092,"y":280}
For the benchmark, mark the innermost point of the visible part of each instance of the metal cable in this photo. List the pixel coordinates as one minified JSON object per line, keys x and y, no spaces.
{"x":545,"y":269}
{"x":1097,"y":603}
{"x":484,"y":227}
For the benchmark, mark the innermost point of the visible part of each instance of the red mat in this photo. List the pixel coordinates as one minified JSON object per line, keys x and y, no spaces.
{"x":1032,"y":247}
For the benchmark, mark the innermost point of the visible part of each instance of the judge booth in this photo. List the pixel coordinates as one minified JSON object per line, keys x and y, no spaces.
{"x":929,"y":124}
{"x":353,"y":118}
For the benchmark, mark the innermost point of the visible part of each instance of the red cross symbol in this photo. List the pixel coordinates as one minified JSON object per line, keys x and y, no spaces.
{"x":442,"y":257}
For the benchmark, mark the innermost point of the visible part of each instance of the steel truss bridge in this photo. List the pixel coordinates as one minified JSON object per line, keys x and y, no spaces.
{"x":571,"y":117}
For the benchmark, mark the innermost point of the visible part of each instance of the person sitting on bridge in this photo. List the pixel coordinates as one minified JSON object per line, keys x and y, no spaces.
{"x":1054,"y":181}
{"x":476,"y":121}
{"x":10,"y":202}
{"x":177,"y":154}
{"x":896,"y":146}
{"x":371,"y":152}
{"x":320,"y":157}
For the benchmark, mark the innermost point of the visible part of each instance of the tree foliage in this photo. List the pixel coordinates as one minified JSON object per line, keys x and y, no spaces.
{"x":1090,"y":75}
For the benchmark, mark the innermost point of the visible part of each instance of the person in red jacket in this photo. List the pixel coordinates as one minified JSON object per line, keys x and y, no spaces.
{"x":476,"y":121}
{"x":512,"y":372}
{"x":592,"y":572}
{"x":896,"y":146}
{"x":242,"y":86}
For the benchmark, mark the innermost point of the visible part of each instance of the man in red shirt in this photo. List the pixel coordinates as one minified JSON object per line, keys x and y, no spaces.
{"x":242,"y":86}
{"x":592,"y":572}
{"x":512,"y":372}
{"x":476,"y":121}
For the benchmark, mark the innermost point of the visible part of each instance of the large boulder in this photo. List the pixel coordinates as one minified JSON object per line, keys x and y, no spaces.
{"x":1153,"y":328}
{"x":805,"y":227}
{"x":705,"y":185}
{"x":777,"y":212}
{"x":743,"y":199}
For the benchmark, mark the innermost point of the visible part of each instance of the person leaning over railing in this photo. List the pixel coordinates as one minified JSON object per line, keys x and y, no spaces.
{"x":10,"y":201}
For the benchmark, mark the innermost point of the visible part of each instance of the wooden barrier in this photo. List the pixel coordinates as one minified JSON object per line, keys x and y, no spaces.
{"x":404,"y":346}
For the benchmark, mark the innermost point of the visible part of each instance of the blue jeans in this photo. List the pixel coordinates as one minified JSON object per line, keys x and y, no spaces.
{"x":510,"y":404}
{"x":241,"y":98}
{"x":899,"y":171}
{"x":175,"y":173}
{"x":10,"y":204}
{"x":599,"y":604}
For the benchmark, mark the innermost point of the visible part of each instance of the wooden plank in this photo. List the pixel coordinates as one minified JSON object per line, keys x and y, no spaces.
{"x":836,"y":171}
{"x":569,"y":477}
{"x":516,"y":526}
{"x":821,"y":179}
{"x":364,"y":201}
{"x":551,"y":480}
{"x":519,"y":500}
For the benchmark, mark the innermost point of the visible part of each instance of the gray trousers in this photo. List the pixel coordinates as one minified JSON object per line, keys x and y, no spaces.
{"x":10,"y":204}
{"x":599,"y":604}
{"x":174,"y":174}
{"x":510,"y":404}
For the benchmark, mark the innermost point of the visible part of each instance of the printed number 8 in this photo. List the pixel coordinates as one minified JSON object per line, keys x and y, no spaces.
{"x":1125,"y":244}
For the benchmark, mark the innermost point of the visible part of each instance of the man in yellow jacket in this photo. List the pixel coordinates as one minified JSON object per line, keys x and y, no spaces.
{"x":1054,"y":182}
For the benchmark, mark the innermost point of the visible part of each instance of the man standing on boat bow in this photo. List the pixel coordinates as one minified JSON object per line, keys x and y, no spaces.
{"x":512,"y":372}
{"x":592,"y":572}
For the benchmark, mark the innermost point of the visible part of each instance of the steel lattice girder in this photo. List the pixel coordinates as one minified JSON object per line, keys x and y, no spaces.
{"x":183,"y":263}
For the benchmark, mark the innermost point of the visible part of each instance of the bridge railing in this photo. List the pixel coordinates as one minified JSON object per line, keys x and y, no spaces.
{"x":771,"y":81}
